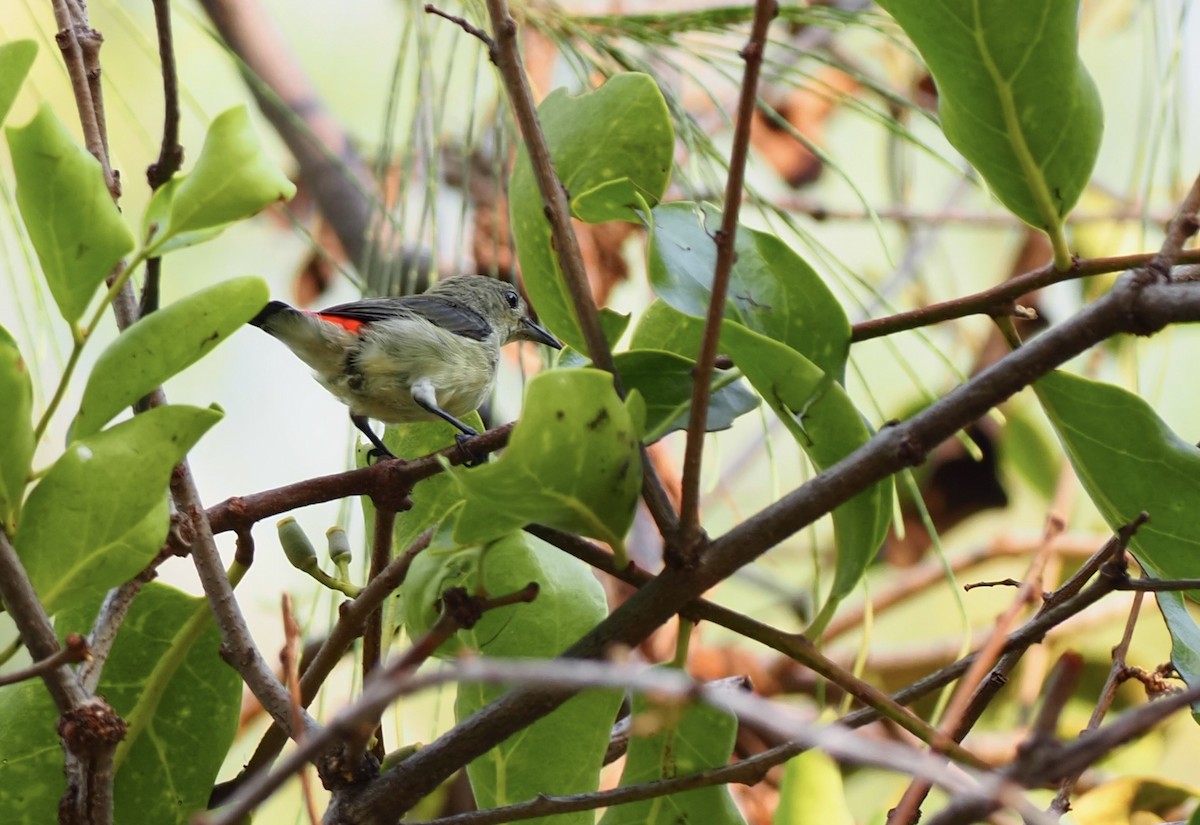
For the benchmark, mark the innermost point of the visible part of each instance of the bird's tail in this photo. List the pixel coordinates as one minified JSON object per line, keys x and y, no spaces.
{"x":323,"y":346}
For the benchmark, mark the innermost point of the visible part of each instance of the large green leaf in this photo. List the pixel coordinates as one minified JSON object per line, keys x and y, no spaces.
{"x":573,"y":462}
{"x":562,"y":752}
{"x":232,"y":179}
{"x":76,"y":229}
{"x":1013,"y":96}
{"x":16,"y":58}
{"x":165,"y":668}
{"x":16,"y":430}
{"x":1129,"y":460}
{"x":816,"y":411}
{"x":612,"y":149}
{"x":165,"y":676}
{"x":31,"y":757}
{"x":664,"y":380}
{"x":100,"y":514}
{"x":772,"y":290}
{"x":687,"y":740}
{"x":163,"y":344}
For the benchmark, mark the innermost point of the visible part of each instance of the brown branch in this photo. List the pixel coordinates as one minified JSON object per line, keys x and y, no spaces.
{"x":466,"y":26}
{"x":1062,"y":799}
{"x":684,"y":547}
{"x":385,"y":482}
{"x":381,"y":552}
{"x":352,"y":617}
{"x":75,"y":649}
{"x":1001,"y":296}
{"x":359,"y":719}
{"x":506,"y":56}
{"x":792,"y":645}
{"x":81,"y":64}
{"x":289,"y":659}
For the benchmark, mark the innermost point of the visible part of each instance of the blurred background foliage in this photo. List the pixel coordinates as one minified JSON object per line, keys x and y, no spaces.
{"x":847,"y":167}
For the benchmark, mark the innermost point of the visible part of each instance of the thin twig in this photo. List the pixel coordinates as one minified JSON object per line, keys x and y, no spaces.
{"x":683,"y":548}
{"x":289,"y":659}
{"x":506,"y":56}
{"x":1002,"y":295}
{"x":108,"y":622}
{"x":1062,"y":799}
{"x":466,"y":26}
{"x":358,"y":719}
{"x":351,"y":620}
{"x":74,"y":649}
{"x":381,"y":552}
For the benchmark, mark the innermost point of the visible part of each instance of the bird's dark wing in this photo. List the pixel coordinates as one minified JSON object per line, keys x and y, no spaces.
{"x":451,"y":316}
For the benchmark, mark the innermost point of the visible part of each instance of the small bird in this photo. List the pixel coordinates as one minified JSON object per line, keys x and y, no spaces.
{"x":414,"y":358}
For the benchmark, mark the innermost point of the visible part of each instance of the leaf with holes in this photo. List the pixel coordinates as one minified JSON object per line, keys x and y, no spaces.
{"x":612,"y":149}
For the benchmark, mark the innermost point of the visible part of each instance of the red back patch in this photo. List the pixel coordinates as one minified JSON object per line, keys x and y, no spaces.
{"x":349,"y":324}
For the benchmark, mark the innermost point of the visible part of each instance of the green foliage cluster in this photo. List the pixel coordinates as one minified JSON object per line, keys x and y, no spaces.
{"x":1014,"y":100}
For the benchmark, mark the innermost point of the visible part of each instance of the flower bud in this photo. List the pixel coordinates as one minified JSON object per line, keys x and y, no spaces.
{"x":296,"y":546}
{"x":339,"y":545}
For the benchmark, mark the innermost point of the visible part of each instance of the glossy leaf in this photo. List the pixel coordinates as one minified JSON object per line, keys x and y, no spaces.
{"x":1129,"y":461}
{"x":573,"y":462}
{"x":163,"y":344}
{"x":816,"y":411}
{"x":812,"y":792}
{"x":686,"y":740}
{"x":772,"y":290}
{"x":562,"y":752}
{"x":31,"y":756}
{"x":76,"y":229}
{"x":664,"y":380}
{"x":1185,"y":639}
{"x":612,"y":148}
{"x":165,"y":668}
{"x":16,"y":429}
{"x":1013,"y":96}
{"x":16,"y":59}
{"x":100,"y":515}
{"x":233,"y":179}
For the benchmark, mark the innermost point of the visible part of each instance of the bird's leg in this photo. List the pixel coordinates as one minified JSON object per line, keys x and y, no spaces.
{"x":426,"y":398}
{"x":379,"y":450}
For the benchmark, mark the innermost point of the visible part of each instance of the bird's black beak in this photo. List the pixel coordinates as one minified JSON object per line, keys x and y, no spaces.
{"x":532,"y":331}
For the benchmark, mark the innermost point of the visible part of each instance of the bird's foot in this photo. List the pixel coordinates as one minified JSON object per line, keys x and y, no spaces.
{"x":469,"y":457}
{"x":377,"y":454}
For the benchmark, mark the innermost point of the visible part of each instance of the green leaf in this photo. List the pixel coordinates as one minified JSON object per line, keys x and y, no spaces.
{"x":16,"y":58}
{"x":560,"y":753}
{"x":31,"y":756}
{"x":165,"y":676}
{"x":816,"y":411}
{"x":772,"y":290}
{"x":573,"y":462}
{"x":76,"y":229}
{"x":812,"y":792}
{"x":1185,"y":639}
{"x":100,"y":514}
{"x":1129,"y":460}
{"x":16,"y":430}
{"x":687,"y":740}
{"x":664,"y":380}
{"x":1013,"y":96}
{"x":1132,"y":800}
{"x":232,"y":179}
{"x":612,"y":149}
{"x":163,"y":344}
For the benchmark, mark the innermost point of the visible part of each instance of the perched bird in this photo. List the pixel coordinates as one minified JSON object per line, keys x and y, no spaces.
{"x":414,"y":358}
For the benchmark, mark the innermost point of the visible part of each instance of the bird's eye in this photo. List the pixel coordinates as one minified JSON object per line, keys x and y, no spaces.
{"x":513,"y":299}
